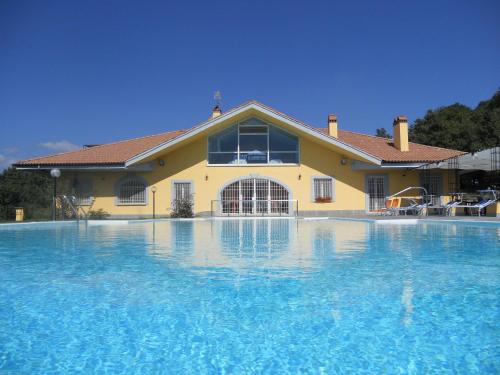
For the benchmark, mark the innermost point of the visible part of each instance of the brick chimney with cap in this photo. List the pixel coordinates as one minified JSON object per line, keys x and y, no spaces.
{"x":216,"y":112}
{"x":332,"y":126}
{"x":400,"y":129}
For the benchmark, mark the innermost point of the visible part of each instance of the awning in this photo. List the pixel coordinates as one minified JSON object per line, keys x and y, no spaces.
{"x":486,"y":160}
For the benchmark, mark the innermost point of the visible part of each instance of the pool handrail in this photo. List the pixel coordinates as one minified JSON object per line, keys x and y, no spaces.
{"x":409,"y":188}
{"x":71,"y":202}
{"x":419,"y":208}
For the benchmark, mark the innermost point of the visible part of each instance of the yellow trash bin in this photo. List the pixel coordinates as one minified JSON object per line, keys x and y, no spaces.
{"x":19,"y":214}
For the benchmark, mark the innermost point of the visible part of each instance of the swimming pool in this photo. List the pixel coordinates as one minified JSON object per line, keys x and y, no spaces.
{"x":250,"y":296}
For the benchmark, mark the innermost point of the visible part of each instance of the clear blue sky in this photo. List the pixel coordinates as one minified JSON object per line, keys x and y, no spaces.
{"x":77,"y":72}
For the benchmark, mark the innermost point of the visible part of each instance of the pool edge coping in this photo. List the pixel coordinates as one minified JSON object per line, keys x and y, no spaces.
{"x":381,"y":220}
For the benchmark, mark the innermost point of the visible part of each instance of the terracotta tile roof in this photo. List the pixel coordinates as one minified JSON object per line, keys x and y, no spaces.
{"x":107,"y":154}
{"x":384,"y":149}
{"x":118,"y":153}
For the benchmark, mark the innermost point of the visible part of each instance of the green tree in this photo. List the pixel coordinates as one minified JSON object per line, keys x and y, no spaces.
{"x":31,"y":190}
{"x":460,"y":127}
{"x":382,"y":132}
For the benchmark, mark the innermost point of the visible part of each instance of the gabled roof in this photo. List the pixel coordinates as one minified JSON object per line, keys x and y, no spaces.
{"x":263,"y":109}
{"x":129,"y":152}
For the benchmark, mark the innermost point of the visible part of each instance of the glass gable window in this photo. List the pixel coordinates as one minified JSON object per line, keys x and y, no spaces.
{"x":284,"y":147}
{"x":223,"y":147}
{"x":253,"y":142}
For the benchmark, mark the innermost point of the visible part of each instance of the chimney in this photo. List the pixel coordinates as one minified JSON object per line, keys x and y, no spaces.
{"x":332,"y":126}
{"x":216,"y":112}
{"x":401,"y":133}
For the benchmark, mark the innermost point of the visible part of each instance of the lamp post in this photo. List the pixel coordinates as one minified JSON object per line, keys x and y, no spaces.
{"x":55,"y":173}
{"x":153,"y":190}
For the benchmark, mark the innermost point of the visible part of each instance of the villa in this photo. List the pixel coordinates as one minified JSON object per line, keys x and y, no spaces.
{"x":250,"y":160}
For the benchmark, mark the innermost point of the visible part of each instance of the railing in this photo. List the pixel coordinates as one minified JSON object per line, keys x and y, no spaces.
{"x":67,"y":208}
{"x":254,"y":207}
{"x":408,"y":189}
{"x":419,"y":208}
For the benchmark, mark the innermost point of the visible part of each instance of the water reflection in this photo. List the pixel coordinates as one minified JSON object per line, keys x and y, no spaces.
{"x":256,"y":238}
{"x":407,"y":302}
{"x":336,"y":237}
{"x":182,"y":237}
{"x":265,"y":243}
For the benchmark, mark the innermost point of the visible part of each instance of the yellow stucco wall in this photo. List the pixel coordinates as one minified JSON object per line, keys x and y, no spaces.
{"x":190,"y":163}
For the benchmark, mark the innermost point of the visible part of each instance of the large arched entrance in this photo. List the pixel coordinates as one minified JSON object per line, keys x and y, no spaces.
{"x":258,"y":196}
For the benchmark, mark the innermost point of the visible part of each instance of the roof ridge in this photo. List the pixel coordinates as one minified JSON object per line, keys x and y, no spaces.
{"x":366,"y":135}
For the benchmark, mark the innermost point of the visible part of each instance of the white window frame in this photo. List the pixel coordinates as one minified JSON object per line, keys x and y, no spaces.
{"x":126,"y":179}
{"x":173,"y":191}
{"x":239,"y":152}
{"x":313,"y":188}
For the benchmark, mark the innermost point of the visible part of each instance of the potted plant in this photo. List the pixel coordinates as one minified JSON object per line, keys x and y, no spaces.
{"x":323,"y":200}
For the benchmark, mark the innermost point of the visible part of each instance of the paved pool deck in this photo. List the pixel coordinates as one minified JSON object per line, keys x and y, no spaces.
{"x":414,"y":217}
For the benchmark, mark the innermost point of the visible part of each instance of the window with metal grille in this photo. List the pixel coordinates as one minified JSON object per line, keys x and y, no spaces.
{"x":377,"y":191}
{"x":257,"y":196}
{"x":322,"y":189}
{"x":433,"y":183}
{"x":131,"y":191}
{"x":82,"y":187}
{"x":182,"y":190}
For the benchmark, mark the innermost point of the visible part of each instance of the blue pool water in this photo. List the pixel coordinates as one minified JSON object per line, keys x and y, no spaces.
{"x":250,"y":296}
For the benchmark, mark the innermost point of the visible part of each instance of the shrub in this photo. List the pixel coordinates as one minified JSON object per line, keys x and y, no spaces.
{"x":31,"y":190}
{"x":182,"y":208}
{"x":99,"y":214}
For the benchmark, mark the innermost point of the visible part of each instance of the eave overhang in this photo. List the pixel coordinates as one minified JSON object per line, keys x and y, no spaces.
{"x":113,"y":166}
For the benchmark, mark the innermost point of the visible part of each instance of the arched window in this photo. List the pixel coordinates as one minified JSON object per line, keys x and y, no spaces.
{"x":131,"y":190}
{"x":83,"y":190}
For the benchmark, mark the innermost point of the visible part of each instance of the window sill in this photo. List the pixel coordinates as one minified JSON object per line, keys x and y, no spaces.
{"x":131,"y":204}
{"x":256,"y":165}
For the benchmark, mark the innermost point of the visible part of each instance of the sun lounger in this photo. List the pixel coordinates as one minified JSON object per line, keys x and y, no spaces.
{"x":414,"y":206}
{"x":479,"y":206}
{"x":483,"y":203}
{"x":446,"y":208}
{"x":391,"y":206}
{"x":385,"y":210}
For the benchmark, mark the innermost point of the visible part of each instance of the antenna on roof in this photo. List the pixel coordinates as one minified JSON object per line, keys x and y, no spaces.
{"x":217,"y":98}
{"x":216,"y":111}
